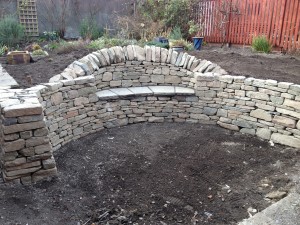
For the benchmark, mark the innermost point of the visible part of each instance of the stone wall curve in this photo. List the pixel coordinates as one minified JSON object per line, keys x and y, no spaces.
{"x":41,"y":119}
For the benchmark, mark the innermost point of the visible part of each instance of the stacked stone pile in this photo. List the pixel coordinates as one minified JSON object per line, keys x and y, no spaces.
{"x":120,"y":86}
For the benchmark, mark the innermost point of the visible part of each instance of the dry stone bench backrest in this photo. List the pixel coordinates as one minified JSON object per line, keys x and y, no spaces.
{"x":120,"y":86}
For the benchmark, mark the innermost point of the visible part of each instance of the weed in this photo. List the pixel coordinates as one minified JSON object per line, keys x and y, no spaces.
{"x":261,"y":44}
{"x":89,"y":29}
{"x":11,"y":32}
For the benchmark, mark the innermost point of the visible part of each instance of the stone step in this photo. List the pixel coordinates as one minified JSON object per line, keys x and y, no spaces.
{"x":284,"y":212}
{"x":115,"y":93}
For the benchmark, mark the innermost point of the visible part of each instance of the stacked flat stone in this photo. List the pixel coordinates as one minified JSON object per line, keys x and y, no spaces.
{"x":26,"y":150}
{"x":119,"y":86}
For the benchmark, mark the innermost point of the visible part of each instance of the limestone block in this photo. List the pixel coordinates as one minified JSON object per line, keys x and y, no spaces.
{"x":263,"y":133}
{"x":228,"y":126}
{"x":22,"y":171}
{"x":14,"y":145}
{"x":56,"y":78}
{"x":49,"y":163}
{"x":107,"y":76}
{"x":157,"y":54}
{"x":179,"y":58}
{"x":112,"y":55}
{"x":81,"y":101}
{"x":105,"y":55}
{"x":285,"y":140}
{"x":190,"y":63}
{"x":42,"y":174}
{"x":258,"y":95}
{"x":169,"y":56}
{"x":164,"y":55}
{"x":140,"y":53}
{"x":22,"y":127}
{"x":77,"y":70}
{"x":85,"y":80}
{"x":22,"y":110}
{"x":148,"y":53}
{"x":174,"y":57}
{"x":172,"y":79}
{"x":195,"y":64}
{"x":288,"y":112}
{"x":277,"y":100}
{"x":83,"y":66}
{"x":153,"y":53}
{"x":35,"y":141}
{"x":130,"y":53}
{"x":56,"y":98}
{"x":298,"y":125}
{"x":41,"y":149}
{"x":226,"y":79}
{"x":24,"y":166}
{"x":199,"y":117}
{"x":247,"y":131}
{"x":160,"y":79}
{"x":293,"y":104}
{"x":210,"y":111}
{"x":284,"y":85}
{"x":284,"y":121}
{"x":261,"y":114}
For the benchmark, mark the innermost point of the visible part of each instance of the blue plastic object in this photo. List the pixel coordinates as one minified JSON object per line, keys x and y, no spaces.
{"x":197,"y":42}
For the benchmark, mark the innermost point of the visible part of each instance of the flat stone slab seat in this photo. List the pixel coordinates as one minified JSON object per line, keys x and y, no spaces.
{"x":115,"y":93}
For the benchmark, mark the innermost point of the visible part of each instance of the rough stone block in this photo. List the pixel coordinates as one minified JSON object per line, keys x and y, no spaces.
{"x":42,"y":174}
{"x":285,"y":140}
{"x":228,"y":126}
{"x":22,"y":110}
{"x":284,"y":121}
{"x":263,"y":133}
{"x":261,"y":114}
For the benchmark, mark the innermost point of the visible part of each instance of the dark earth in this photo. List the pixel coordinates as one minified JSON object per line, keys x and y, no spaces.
{"x":154,"y":174}
{"x":158,"y":174}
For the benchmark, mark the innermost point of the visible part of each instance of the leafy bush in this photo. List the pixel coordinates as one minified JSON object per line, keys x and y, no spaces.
{"x":181,"y":42}
{"x":89,"y":29}
{"x":11,"y":32}
{"x":50,"y":35}
{"x":104,"y":42}
{"x":3,"y":50}
{"x":36,"y":47}
{"x":261,"y":44}
{"x":38,"y":52}
{"x":176,"y":33}
{"x":158,"y":44}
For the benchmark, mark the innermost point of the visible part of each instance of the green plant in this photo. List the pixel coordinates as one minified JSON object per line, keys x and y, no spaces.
{"x":261,"y":44}
{"x":36,"y":46}
{"x":181,"y":42}
{"x":176,"y":33}
{"x":158,"y":44}
{"x":104,"y":42}
{"x":38,"y":52}
{"x":89,"y":29}
{"x":3,"y":50}
{"x":50,"y":35}
{"x":196,"y":29}
{"x":11,"y":32}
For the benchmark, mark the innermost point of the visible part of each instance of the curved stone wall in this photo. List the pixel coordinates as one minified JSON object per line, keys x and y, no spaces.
{"x":41,"y":119}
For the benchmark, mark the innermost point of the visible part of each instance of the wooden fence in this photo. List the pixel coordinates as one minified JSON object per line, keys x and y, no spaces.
{"x":238,"y":21}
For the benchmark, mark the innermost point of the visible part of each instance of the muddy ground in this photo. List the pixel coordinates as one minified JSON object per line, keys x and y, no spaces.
{"x":154,"y":174}
{"x":236,"y":61}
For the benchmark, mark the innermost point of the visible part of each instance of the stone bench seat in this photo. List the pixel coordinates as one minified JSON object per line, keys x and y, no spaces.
{"x":116,"y":93}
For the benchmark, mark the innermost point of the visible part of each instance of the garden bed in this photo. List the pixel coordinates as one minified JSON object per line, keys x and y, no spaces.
{"x":170,"y":173}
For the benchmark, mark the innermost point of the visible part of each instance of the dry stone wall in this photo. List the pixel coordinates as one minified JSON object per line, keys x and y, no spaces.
{"x":100,"y":91}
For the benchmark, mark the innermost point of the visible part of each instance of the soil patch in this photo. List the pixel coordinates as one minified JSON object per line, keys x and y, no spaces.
{"x":237,"y":61}
{"x":168,"y":173}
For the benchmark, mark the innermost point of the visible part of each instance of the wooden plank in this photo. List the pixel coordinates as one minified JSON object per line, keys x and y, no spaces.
{"x":281,"y":23}
{"x":289,"y":27}
{"x":297,"y":30}
{"x":292,"y":43}
{"x":285,"y":24}
{"x":273,"y":23}
{"x":277,"y":22}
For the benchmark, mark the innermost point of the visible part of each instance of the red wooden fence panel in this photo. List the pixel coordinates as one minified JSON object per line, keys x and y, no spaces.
{"x":278,"y":20}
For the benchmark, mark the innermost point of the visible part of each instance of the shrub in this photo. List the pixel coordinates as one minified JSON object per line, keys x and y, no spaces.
{"x":3,"y":50}
{"x":158,"y":44}
{"x":181,"y":42}
{"x":50,"y":35}
{"x":36,"y":46}
{"x":261,"y":44}
{"x":11,"y":32}
{"x":38,"y":52}
{"x":104,"y":42}
{"x":89,"y":29}
{"x":176,"y":33}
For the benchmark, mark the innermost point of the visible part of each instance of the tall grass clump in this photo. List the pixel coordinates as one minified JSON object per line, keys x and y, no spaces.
{"x":11,"y":32}
{"x":89,"y":29}
{"x":261,"y":44}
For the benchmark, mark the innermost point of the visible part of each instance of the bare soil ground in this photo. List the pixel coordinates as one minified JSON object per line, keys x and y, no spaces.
{"x":236,"y":61}
{"x":154,"y":174}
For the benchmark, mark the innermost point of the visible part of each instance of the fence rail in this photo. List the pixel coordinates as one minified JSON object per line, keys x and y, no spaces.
{"x":238,"y":21}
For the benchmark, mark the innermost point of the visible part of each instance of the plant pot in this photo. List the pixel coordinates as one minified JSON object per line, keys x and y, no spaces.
{"x":178,"y":48}
{"x":198,"y":42}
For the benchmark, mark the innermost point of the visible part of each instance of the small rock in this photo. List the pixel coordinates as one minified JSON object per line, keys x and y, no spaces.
{"x":276,"y":195}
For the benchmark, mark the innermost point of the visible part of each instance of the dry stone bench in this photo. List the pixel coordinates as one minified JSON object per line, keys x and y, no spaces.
{"x":120,"y":86}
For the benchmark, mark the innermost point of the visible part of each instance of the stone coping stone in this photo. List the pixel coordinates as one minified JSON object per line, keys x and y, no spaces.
{"x":115,"y":93}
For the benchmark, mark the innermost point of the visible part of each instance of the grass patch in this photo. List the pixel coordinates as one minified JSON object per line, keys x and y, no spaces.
{"x":261,"y":44}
